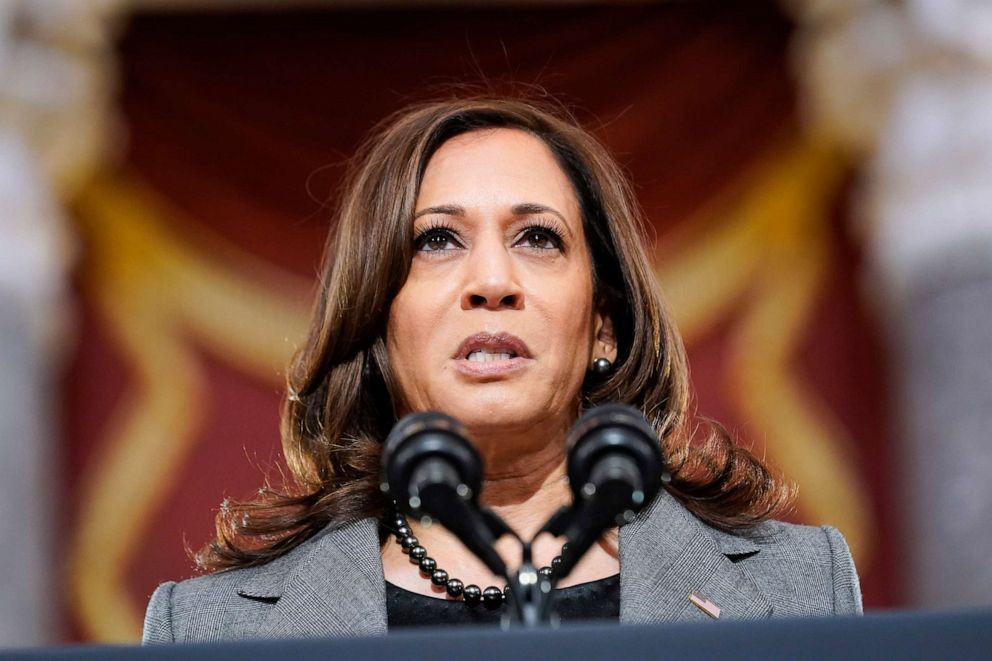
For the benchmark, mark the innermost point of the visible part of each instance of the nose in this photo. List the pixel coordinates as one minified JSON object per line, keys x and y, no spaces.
{"x":491,"y":281}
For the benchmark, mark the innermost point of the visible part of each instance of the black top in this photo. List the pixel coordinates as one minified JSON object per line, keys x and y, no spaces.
{"x":596,"y":600}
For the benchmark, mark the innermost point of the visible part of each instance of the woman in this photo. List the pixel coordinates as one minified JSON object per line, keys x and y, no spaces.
{"x":487,"y":263}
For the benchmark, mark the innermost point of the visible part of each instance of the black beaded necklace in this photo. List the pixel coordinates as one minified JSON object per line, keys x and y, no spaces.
{"x":492,"y":597}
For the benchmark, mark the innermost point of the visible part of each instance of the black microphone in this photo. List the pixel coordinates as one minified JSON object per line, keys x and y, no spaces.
{"x":615,"y":468}
{"x":431,"y":468}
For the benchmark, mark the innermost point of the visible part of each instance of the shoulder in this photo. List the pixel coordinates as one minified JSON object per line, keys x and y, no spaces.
{"x":806,"y":570}
{"x":225,"y":605}
{"x":188,"y":610}
{"x":771,"y":569}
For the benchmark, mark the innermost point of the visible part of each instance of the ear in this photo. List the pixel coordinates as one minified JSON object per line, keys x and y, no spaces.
{"x":605,"y":342}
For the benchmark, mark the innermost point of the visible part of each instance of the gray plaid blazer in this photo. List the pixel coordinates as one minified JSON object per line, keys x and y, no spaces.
{"x":333,"y":584}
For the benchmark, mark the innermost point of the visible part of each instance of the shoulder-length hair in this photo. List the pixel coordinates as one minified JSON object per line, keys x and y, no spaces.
{"x":339,"y":407}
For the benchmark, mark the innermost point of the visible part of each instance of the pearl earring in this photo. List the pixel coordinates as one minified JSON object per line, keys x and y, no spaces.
{"x":601,"y":366}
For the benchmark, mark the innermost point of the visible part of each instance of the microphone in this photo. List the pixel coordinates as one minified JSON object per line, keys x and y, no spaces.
{"x":431,"y":468}
{"x":615,"y":468}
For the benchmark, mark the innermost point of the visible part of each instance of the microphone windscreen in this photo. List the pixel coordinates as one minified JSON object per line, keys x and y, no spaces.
{"x":609,"y":432}
{"x":426,"y":438}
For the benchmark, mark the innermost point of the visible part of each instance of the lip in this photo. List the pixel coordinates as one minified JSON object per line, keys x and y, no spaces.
{"x":496,"y":343}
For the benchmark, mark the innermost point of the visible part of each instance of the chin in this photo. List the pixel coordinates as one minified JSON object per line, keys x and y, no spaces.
{"x":496,"y":412}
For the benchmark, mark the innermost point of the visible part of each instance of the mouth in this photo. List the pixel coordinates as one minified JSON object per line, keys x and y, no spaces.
{"x":485,"y":356}
{"x":489,"y":347}
{"x":491,"y":354}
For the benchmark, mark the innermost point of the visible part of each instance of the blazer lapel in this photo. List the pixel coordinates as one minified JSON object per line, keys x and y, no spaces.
{"x":337,"y":589}
{"x":666,"y":555}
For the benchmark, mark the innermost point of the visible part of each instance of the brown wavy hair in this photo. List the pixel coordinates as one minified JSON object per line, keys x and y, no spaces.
{"x":338,"y":407}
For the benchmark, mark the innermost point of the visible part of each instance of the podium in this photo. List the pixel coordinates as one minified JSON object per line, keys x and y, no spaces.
{"x":919,"y":635}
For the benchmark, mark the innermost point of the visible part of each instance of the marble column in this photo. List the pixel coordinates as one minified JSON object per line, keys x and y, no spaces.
{"x":54,"y":102}
{"x":30,"y":290}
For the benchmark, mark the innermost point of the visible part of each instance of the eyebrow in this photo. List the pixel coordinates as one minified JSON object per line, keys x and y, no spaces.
{"x":524,"y":209}
{"x":444,"y":210}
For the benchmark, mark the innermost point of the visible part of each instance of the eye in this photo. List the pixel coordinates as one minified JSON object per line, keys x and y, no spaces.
{"x":539,"y":238}
{"x":435,"y":239}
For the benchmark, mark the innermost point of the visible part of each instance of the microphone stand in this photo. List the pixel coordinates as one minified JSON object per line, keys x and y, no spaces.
{"x":532,"y":596}
{"x":531,"y":593}
{"x":581,"y":524}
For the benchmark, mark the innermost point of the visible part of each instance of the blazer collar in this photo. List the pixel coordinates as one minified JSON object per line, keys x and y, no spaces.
{"x":332,"y":585}
{"x":667,"y":554}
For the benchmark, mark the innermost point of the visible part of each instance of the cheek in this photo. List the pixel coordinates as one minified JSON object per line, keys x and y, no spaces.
{"x":406,"y":320}
{"x":410,"y":329}
{"x":572,"y":316}
{"x":399,"y":330}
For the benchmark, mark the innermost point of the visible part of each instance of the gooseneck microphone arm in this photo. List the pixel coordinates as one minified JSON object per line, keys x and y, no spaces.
{"x":430,"y":468}
{"x":463,"y":520}
{"x":615,"y":483}
{"x":615,"y":468}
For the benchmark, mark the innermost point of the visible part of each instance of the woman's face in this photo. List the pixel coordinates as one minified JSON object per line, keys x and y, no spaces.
{"x":495,"y":324}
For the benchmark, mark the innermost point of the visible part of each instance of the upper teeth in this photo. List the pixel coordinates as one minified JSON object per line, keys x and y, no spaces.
{"x":481,"y":355}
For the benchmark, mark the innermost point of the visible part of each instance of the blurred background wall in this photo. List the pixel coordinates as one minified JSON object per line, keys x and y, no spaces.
{"x":814,"y":172}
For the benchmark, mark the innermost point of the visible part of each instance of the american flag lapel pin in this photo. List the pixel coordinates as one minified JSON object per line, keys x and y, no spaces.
{"x":705,"y":605}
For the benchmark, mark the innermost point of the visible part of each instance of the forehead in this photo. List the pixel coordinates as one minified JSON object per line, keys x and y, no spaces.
{"x":497,"y":167}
